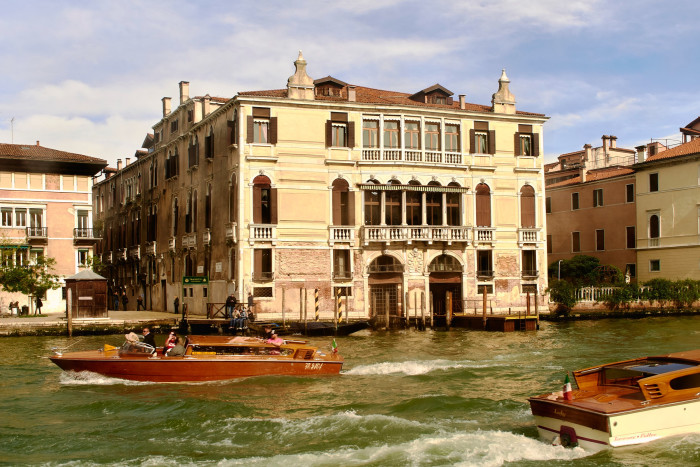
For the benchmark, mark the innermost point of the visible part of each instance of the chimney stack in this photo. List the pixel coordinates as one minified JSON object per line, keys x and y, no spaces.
{"x":206,"y":105}
{"x":605,"y":142}
{"x":462,"y":103}
{"x":128,"y":160}
{"x":184,"y":91}
{"x":352,"y":96}
{"x":166,"y":106}
{"x":613,"y":142}
{"x":119,"y":164}
{"x":640,"y":153}
{"x":37,"y":143}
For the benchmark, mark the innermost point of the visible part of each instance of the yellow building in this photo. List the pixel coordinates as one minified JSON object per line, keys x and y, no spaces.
{"x":391,"y":199}
{"x":668,"y":211}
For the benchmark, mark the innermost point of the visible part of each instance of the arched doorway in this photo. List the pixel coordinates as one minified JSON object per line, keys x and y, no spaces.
{"x":445,"y":281}
{"x":385,"y":279}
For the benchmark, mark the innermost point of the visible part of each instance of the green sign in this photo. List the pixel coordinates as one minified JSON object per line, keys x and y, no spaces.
{"x":189,"y":280}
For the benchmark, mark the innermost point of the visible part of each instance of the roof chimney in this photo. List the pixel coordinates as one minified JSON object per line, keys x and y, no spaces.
{"x":119,"y":164}
{"x":184,"y":91}
{"x":503,"y":101}
{"x":352,"y":95}
{"x":583,"y":171}
{"x":206,"y":105}
{"x":166,"y":106}
{"x":128,"y":160}
{"x":605,"y":142}
{"x":613,"y":142}
{"x":640,"y":153}
{"x":37,"y":143}
{"x":462,"y":103}
{"x":300,"y":85}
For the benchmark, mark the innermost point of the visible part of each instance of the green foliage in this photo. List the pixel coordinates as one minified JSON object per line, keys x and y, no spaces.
{"x":581,"y":270}
{"x":30,"y":279}
{"x":563,"y":293}
{"x":622,"y":296}
{"x":685,"y":292}
{"x":659,"y":291}
{"x":95,"y":263}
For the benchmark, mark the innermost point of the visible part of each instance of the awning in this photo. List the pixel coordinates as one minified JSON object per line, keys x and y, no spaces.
{"x":431,"y":188}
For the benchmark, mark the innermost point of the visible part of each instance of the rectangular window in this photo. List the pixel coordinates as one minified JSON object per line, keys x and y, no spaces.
{"x":261,"y":128}
{"x":432,"y":136}
{"x":525,"y":145}
{"x":548,"y":205}
{"x":83,"y":258}
{"x":263,"y":264}
{"x":574,"y":201}
{"x":413,"y":208}
{"x":484,"y":265}
{"x":631,"y":237}
{"x":529,"y":263}
{"x":370,"y":134}
{"x":654,"y":182}
{"x":412,"y":135}
{"x":20,"y":217}
{"x":654,"y":265}
{"x":481,"y":142}
{"x":339,"y":134}
{"x":341,"y":265}
{"x":600,"y":239}
{"x":629,"y":189}
{"x":549,"y":244}
{"x":6,"y":217}
{"x":597,"y":197}
{"x":342,"y":291}
{"x":631,"y":269}
{"x":391,"y":135}
{"x":452,"y":138}
{"x":575,"y":242}
{"x":173,"y":126}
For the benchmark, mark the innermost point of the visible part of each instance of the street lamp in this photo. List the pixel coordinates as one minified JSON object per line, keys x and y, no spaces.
{"x":559,"y":269}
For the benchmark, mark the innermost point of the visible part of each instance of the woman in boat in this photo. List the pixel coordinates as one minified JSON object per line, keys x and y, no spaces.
{"x":178,"y":349}
{"x":169,"y":342}
{"x":275,"y":339}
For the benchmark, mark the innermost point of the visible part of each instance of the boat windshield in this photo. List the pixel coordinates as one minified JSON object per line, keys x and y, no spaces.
{"x":628,"y":374}
{"x":239,"y":350}
{"x":136,"y":348}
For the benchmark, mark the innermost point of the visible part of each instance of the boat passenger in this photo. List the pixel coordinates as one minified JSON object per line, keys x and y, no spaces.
{"x":178,"y":350}
{"x":149,"y":338}
{"x":275,"y":339}
{"x":169,"y":342}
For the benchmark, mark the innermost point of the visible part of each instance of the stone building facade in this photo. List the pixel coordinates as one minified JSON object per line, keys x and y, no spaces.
{"x":395,"y":201}
{"x":46,"y":210}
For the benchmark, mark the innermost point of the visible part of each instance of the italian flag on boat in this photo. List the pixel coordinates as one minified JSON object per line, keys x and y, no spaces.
{"x":567,"y":389}
{"x":334,"y":346}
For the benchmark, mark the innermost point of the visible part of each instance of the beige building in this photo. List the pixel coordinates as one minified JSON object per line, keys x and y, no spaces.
{"x":383,"y":196}
{"x":46,"y":209}
{"x":668,"y":209}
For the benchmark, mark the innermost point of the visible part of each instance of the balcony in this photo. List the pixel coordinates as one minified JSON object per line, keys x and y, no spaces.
{"x":172,"y":244}
{"x":530,"y":274}
{"x":484,"y":274}
{"x":341,"y":235}
{"x":528,"y":236}
{"x":484,"y":234}
{"x":135,"y":252}
{"x":86,"y":235}
{"x":342,"y":276}
{"x":412,"y":155}
{"x":189,"y":241}
{"x":375,"y":268}
{"x":263,"y":233}
{"x":409,"y":234}
{"x":206,"y":237}
{"x":653,"y":242}
{"x":231,"y":232}
{"x":264,"y":276}
{"x":151,"y":248}
{"x":38,"y":234}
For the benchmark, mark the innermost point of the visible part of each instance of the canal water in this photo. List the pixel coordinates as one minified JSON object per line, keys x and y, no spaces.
{"x":403,"y":398}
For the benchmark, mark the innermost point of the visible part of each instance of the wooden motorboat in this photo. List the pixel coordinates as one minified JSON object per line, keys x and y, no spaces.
{"x":207,"y":358}
{"x":623,"y":403}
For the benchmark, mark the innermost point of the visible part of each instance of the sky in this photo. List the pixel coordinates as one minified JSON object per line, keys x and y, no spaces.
{"x":88,"y":76}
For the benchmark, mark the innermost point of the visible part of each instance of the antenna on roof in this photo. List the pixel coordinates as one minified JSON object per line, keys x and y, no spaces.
{"x":12,"y":128}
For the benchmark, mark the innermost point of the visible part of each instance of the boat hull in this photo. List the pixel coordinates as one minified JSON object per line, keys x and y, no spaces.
{"x":193,"y":369}
{"x":563,"y":422}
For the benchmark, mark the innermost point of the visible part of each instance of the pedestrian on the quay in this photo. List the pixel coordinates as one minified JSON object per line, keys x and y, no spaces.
{"x":139,"y":302}
{"x":251,"y":303}
{"x":125,"y":299}
{"x":176,"y":304}
{"x":39,"y":304}
{"x":115,"y":300}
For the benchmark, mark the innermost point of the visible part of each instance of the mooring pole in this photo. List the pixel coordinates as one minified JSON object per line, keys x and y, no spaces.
{"x":537,"y":313}
{"x":527,"y":309}
{"x":306,"y":301}
{"x":430,"y":309}
{"x":284,"y":321}
{"x":301,"y":304}
{"x":483,"y":312}
{"x":386,"y":307}
{"x":422,"y":308}
{"x":316,"y":305}
{"x":69,"y":314}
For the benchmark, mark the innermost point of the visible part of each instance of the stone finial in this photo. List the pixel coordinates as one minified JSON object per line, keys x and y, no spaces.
{"x":503,"y":101}
{"x":300,"y":85}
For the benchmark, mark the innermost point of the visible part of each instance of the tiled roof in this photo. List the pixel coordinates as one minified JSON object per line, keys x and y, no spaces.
{"x":222,"y":100}
{"x":29,"y":152}
{"x":595,"y":176}
{"x":685,"y":149}
{"x":377,"y":96}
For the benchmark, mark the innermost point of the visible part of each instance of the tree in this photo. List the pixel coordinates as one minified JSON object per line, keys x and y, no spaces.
{"x":581,"y":270}
{"x":31,"y":277}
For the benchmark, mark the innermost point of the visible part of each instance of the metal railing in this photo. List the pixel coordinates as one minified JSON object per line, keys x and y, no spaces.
{"x":88,"y":233}
{"x":37,"y":232}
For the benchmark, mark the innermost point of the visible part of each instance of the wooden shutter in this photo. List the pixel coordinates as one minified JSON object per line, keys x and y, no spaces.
{"x":535,"y":144}
{"x":257,"y":264}
{"x":231,"y":126}
{"x":257,"y":204}
{"x":516,"y":144}
{"x":329,"y":133}
{"x":351,"y":208}
{"x":273,"y":205}
{"x":250,"y":130}
{"x":492,"y":141}
{"x":272,"y":138}
{"x":472,"y":141}
{"x":337,"y":205}
{"x":351,"y":134}
{"x":527,"y":207}
{"x":483,"y":206}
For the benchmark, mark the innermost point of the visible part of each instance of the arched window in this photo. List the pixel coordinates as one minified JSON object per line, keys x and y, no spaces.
{"x":194,"y":211}
{"x":176,"y":213}
{"x":452,"y":209}
{"x":188,"y":214}
{"x":264,"y":201}
{"x":483,"y":205}
{"x":445,"y":263}
{"x":392,"y":205}
{"x":207,"y":208}
{"x":343,"y":203}
{"x":654,"y":226}
{"x":433,"y":205}
{"x":232,"y":199}
{"x":414,"y":205}
{"x":385,"y":263}
{"x":373,"y":208}
{"x":527,"y":207}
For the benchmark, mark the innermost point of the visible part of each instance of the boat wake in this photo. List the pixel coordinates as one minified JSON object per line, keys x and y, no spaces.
{"x":84,"y":378}
{"x":411,"y":368}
